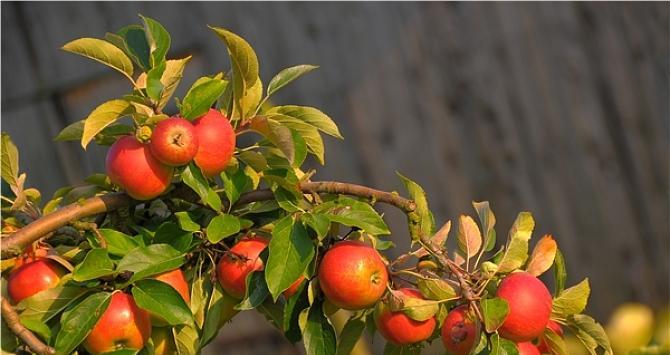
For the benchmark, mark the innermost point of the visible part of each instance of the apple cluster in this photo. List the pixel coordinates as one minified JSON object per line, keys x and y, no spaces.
{"x":145,"y":170}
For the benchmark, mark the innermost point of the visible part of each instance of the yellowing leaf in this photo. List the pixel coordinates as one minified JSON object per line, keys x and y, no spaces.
{"x":572,"y":300}
{"x":103,"y":116}
{"x":103,"y":52}
{"x":469,"y":236}
{"x":10,"y":161}
{"x":516,"y":251}
{"x":442,"y":234}
{"x":174,"y":70}
{"x":543,"y":256}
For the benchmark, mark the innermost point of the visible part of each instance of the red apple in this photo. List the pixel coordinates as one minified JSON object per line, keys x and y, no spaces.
{"x":131,"y":165}
{"x":529,"y":307}
{"x":459,"y":331}
{"x":352,"y":275}
{"x":556,"y":328}
{"x":291,"y":290}
{"x":123,"y":325}
{"x":235,"y":265}
{"x":33,"y":277}
{"x":400,"y":329}
{"x":174,"y":142}
{"x":216,"y":139}
{"x":176,"y":279}
{"x":527,"y":348}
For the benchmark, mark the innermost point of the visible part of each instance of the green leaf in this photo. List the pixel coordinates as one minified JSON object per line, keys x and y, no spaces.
{"x":118,"y":243}
{"x":317,"y":333}
{"x":200,"y":98}
{"x":136,"y":44}
{"x":103,"y":52}
{"x":392,"y":349}
{"x":436,"y":289}
{"x":151,"y":260}
{"x":287,"y":200}
{"x":257,"y":292}
{"x":516,"y":251}
{"x":46,"y":304}
{"x":292,"y":309}
{"x":186,"y":339}
{"x":193,"y":178}
{"x":236,"y":183}
{"x":172,"y":75}
{"x":309,"y":115}
{"x":350,"y":334}
{"x":170,"y":233}
{"x":559,"y":272}
{"x":104,"y":115}
{"x":469,"y":236}
{"x":163,"y":301}
{"x":555,"y":342}
{"x":220,"y":310}
{"x":38,"y":327}
{"x":309,"y":133}
{"x":158,"y":39}
{"x":287,"y":75}
{"x":425,"y":223}
{"x":290,"y":252}
{"x":319,"y":223}
{"x":419,"y":309}
{"x":279,"y":135}
{"x":487,"y":220}
{"x":222,"y":226}
{"x":572,"y":300}
{"x":10,"y":161}
{"x":154,"y":84}
{"x":495,"y":312}
{"x":186,"y":222}
{"x":502,"y":346}
{"x":353,"y":213}
{"x":78,"y":322}
{"x":96,"y":264}
{"x":590,"y":333}
{"x":244,"y":65}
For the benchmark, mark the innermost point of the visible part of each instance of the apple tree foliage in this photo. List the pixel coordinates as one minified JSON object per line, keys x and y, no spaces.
{"x":198,"y":219}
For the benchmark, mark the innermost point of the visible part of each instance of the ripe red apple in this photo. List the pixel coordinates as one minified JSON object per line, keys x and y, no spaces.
{"x":123,"y":325}
{"x":174,"y":141}
{"x":459,"y":331}
{"x":176,"y":279}
{"x":556,"y":328}
{"x":33,"y":277}
{"x":352,"y":275}
{"x":131,"y":165}
{"x":216,"y":139}
{"x":400,"y":329}
{"x":529,"y":307}
{"x":527,"y":348}
{"x":291,"y":290}
{"x":242,"y":259}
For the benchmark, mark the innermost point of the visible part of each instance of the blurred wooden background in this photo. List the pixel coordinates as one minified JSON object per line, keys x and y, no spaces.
{"x":557,"y":108}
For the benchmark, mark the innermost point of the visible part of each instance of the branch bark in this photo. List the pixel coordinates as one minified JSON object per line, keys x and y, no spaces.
{"x":10,"y":317}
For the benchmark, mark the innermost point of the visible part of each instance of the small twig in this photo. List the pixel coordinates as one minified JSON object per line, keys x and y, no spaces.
{"x":11,"y":318}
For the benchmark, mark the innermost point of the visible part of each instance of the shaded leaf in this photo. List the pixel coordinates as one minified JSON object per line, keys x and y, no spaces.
{"x":200,"y":98}
{"x":590,"y":332}
{"x":135,"y":41}
{"x":488,"y":221}
{"x":436,"y":289}
{"x":77,"y":323}
{"x":193,"y":178}
{"x":46,"y":304}
{"x":559,"y":273}
{"x":317,"y":333}
{"x":502,"y":346}
{"x":280,"y":136}
{"x":350,"y":334}
{"x":118,"y":243}
{"x":543,"y":256}
{"x":257,"y":292}
{"x":353,"y":213}
{"x":154,"y":85}
{"x":151,"y":260}
{"x":158,"y":39}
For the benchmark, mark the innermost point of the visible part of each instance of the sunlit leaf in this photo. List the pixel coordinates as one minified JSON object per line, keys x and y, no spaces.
{"x":287,"y":75}
{"x":104,"y":115}
{"x":543,"y":256}
{"x":103,"y":52}
{"x":572,"y":300}
{"x":516,"y":251}
{"x":469,"y":236}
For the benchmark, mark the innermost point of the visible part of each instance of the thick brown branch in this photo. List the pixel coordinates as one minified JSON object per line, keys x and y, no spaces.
{"x":14,"y":244}
{"x":10,"y":317}
{"x":333,"y":187}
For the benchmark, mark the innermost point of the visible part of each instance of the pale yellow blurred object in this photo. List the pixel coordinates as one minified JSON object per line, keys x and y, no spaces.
{"x":662,"y":335}
{"x":574,"y":346}
{"x":631,"y":326}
